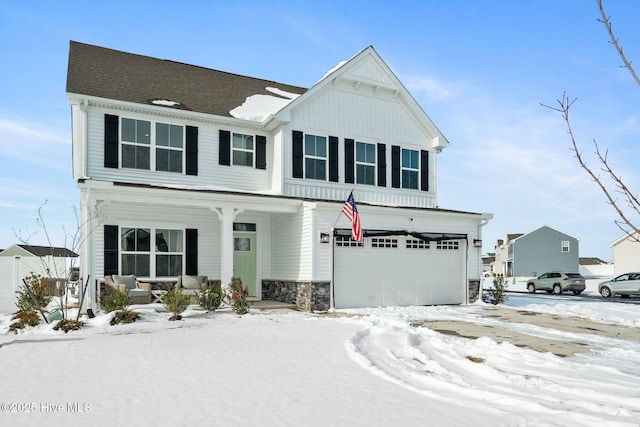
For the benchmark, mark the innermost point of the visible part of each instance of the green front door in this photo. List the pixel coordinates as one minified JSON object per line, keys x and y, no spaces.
{"x":244,"y":259}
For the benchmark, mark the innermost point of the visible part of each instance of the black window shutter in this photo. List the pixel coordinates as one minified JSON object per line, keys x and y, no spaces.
{"x":111,"y":140}
{"x":333,"y":158}
{"x":298,"y":154}
{"x":424,"y":170}
{"x":191,"y":251}
{"x":382,"y":165}
{"x":261,"y":152}
{"x":224,"y":156}
{"x":395,"y":166}
{"x":110,"y":249}
{"x":348,"y":161}
{"x":192,"y":150}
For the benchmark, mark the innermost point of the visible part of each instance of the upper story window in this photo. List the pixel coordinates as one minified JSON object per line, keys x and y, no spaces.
{"x":144,"y":145}
{"x":169,"y":147}
{"x":565,"y":246}
{"x":136,"y":144}
{"x":365,"y":163}
{"x":148,"y":145}
{"x":410,"y":168}
{"x":242,"y":149}
{"x":315,"y":157}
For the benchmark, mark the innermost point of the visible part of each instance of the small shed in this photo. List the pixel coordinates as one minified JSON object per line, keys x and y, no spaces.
{"x":18,"y":261}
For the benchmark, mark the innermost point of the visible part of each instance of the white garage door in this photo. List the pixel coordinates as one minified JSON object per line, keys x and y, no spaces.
{"x":398,"y":270}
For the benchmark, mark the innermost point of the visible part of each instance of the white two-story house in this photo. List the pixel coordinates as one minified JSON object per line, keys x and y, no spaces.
{"x":188,"y":170}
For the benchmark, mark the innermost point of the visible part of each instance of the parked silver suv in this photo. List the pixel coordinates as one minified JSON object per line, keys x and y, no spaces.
{"x":625,"y":285}
{"x":557,"y":282}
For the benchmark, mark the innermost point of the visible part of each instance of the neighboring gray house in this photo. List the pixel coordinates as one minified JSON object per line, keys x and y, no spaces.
{"x":541,"y":250}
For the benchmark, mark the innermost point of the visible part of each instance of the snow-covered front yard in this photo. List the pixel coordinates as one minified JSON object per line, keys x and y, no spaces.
{"x":365,"y":367}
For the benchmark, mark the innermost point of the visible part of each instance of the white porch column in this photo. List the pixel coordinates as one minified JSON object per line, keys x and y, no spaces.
{"x":226,"y":215}
{"x":86,"y":262}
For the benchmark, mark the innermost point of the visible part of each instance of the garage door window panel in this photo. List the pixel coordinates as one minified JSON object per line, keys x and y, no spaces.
{"x":347,"y":241}
{"x":448,"y":245}
{"x":417,"y":244}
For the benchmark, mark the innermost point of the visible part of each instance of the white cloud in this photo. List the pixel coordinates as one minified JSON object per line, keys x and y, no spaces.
{"x":31,"y":132}
{"x":35,"y":145}
{"x":430,"y":87}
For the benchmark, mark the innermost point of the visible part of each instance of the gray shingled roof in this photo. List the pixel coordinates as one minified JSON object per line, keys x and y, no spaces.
{"x":106,"y":73}
{"x":47,"y":250}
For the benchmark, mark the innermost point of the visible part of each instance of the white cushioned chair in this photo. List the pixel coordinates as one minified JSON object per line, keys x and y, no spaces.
{"x":140,"y":293}
{"x":190,"y":284}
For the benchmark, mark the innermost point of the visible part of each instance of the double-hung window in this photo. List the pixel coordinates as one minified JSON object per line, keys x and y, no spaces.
{"x":365,"y":163}
{"x":169,"y":147}
{"x":315,"y":157}
{"x":144,"y":145}
{"x":242,"y":149}
{"x":135,"y":247}
{"x":169,"y":252}
{"x":565,"y":247}
{"x":136,"y":144}
{"x":145,"y":249}
{"x":410,"y":169}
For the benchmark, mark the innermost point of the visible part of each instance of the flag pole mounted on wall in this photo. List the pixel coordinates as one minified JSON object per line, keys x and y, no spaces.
{"x":349,"y":210}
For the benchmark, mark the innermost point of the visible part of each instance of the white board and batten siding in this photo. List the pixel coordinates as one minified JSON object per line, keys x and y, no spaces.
{"x":360,"y":116}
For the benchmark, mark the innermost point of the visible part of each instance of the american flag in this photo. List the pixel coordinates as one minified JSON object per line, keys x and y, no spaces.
{"x":351,"y":212}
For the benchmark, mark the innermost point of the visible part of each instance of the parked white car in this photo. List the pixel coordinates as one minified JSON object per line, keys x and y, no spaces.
{"x":624,"y":285}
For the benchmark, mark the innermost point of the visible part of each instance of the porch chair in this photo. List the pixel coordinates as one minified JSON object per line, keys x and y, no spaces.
{"x":190,"y":284}
{"x":140,"y":293}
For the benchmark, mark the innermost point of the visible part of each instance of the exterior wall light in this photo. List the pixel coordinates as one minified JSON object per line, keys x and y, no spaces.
{"x":477,"y":243}
{"x":324,"y":237}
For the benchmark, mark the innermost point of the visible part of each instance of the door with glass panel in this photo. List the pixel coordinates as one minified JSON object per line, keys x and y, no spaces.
{"x":244,"y":255}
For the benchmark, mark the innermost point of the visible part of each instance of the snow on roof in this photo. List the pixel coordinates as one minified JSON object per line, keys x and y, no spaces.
{"x":258,"y":107}
{"x":340,"y":64}
{"x":165,"y":102}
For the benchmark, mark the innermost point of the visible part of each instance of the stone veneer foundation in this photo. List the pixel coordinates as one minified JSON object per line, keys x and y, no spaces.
{"x":307,"y":296}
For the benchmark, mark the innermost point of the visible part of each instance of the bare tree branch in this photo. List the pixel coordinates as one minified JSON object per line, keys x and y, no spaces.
{"x":564,"y":105}
{"x":614,"y":41}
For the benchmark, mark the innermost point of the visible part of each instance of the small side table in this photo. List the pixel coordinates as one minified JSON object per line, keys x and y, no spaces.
{"x":157,"y":295}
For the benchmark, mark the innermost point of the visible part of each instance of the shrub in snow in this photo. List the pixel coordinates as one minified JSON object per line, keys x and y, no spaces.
{"x":498,"y":291}
{"x":115,"y":300}
{"x":237,"y":296}
{"x":38,"y":288}
{"x":125,"y":316}
{"x":24,"y":318}
{"x":176,"y":301}
{"x":68,"y":325}
{"x":209,"y":298}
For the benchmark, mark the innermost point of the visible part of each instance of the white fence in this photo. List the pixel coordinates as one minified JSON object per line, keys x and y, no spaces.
{"x":599,"y":270}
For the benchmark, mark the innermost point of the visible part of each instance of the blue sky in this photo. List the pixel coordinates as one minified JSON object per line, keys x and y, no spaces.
{"x":479,"y":69}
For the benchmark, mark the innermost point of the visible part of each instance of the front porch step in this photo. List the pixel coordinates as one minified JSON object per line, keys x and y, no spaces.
{"x":272,"y":305}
